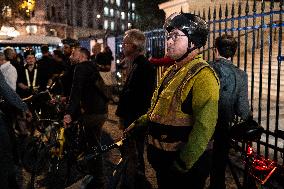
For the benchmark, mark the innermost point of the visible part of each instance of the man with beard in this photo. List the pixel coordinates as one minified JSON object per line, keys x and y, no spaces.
{"x":88,"y":104}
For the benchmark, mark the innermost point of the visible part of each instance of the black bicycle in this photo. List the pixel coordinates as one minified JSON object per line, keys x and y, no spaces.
{"x":62,"y":155}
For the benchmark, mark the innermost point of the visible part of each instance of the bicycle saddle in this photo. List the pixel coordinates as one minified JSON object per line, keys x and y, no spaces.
{"x":246,"y":131}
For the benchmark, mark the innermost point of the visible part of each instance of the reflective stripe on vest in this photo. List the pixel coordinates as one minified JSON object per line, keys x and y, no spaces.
{"x":166,"y":107}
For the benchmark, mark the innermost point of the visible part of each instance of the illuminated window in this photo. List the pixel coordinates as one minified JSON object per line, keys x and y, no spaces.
{"x":122,"y":15}
{"x":106,"y":1}
{"x":112,"y":25}
{"x":106,"y":24}
{"x":133,"y":16}
{"x":129,"y":25}
{"x":122,"y":27}
{"x":112,"y":1}
{"x":133,"y":6}
{"x":118,"y":2}
{"x":111,"y":12}
{"x":106,"y":11}
{"x":129,"y":4}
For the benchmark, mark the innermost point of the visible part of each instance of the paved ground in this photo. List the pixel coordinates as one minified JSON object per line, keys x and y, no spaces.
{"x":112,"y":133}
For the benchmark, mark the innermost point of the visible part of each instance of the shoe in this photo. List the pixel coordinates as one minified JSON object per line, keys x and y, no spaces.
{"x":86,"y":180}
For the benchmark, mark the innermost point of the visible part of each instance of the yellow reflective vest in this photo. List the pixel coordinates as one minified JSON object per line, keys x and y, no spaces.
{"x":199,"y":78}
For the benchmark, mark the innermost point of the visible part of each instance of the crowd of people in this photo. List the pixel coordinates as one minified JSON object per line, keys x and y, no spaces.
{"x":191,"y":107}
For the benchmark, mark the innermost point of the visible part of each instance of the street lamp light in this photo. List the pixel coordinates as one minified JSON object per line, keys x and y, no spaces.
{"x":28,"y":6}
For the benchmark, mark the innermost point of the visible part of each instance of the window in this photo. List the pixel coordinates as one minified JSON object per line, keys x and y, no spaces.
{"x":129,"y":25}
{"x":111,"y":12}
{"x":90,"y":20}
{"x":122,"y":15}
{"x":106,"y":24}
{"x":112,"y":25}
{"x":106,"y":11}
{"x":133,"y":16}
{"x":53,"y":11}
{"x":106,"y":1}
{"x":79,"y":17}
{"x":122,"y":27}
{"x":48,"y":12}
{"x":118,"y":2}
{"x":133,"y":6}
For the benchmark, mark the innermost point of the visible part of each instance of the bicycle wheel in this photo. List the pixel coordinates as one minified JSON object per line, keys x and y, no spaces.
{"x":36,"y":156}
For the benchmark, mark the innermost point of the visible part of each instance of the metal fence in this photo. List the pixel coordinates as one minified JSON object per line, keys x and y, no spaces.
{"x":257,"y":26}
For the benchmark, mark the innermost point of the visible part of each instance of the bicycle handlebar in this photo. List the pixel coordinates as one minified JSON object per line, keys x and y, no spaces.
{"x":102,"y":149}
{"x":279,"y":134}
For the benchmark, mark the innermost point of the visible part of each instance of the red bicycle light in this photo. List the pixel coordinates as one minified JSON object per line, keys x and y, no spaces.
{"x":249,"y":150}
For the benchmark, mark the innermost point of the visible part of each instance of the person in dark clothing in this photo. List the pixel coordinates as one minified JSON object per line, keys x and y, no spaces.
{"x":134,"y":101}
{"x":233,"y":102}
{"x":103,"y":60}
{"x":57,"y":87}
{"x":7,"y":171}
{"x":28,"y":76}
{"x":68,"y":71}
{"x":87,"y":103}
{"x":45,"y":68}
{"x":96,"y":49}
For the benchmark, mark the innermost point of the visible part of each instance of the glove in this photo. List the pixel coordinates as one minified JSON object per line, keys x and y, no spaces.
{"x":136,"y":127}
{"x":179,"y":167}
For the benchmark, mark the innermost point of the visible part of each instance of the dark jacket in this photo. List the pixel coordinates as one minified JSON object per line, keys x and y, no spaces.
{"x":67,"y":77}
{"x":84,"y":94}
{"x":233,"y":91}
{"x":45,"y":70}
{"x":137,"y":92}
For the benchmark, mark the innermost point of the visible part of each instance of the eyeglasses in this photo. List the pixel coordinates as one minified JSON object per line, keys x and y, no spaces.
{"x":174,"y":36}
{"x":124,"y":43}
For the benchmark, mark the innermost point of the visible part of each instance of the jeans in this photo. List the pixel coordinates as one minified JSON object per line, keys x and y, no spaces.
{"x":93,"y":125}
{"x":162,"y":163}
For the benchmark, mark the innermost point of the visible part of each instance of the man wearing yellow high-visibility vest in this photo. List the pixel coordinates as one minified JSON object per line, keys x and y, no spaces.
{"x":184,"y":108}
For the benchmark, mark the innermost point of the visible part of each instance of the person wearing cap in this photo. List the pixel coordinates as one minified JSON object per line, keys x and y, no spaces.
{"x":184,"y":108}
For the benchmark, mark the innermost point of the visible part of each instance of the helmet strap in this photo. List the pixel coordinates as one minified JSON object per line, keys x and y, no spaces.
{"x":189,"y":50}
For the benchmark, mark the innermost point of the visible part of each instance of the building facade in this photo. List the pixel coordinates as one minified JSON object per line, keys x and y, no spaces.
{"x":78,"y":18}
